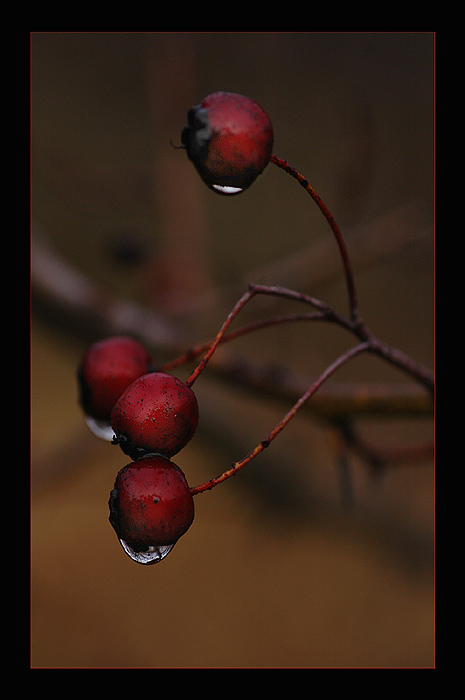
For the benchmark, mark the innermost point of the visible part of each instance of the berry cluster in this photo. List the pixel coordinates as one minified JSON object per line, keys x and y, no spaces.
{"x":152,"y":416}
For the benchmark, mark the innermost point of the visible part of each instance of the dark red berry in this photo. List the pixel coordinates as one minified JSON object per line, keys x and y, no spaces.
{"x":151,"y":505}
{"x":107,"y":369}
{"x":229,"y":138}
{"x":157,"y":413}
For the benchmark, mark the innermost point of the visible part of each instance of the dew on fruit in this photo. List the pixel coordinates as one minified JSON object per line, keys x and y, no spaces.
{"x":100,"y":428}
{"x":226,"y":189}
{"x":152,"y":555}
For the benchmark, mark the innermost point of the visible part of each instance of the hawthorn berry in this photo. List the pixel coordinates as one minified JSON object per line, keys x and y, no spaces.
{"x":108,"y":367}
{"x":157,"y":413}
{"x":151,"y":507}
{"x":229,"y":138}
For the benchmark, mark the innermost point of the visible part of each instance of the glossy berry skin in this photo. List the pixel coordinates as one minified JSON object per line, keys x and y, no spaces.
{"x":157,"y":413}
{"x":107,"y":369}
{"x":150,"y":504}
{"x":229,"y":138}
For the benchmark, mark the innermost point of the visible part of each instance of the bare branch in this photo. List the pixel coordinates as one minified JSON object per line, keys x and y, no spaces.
{"x":72,"y":295}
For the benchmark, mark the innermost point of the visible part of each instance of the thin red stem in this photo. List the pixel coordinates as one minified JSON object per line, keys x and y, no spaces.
{"x":219,"y":336}
{"x":326,"y":313}
{"x":341,"y":360}
{"x":251,"y":292}
{"x":196,"y":350}
{"x":334,"y":227}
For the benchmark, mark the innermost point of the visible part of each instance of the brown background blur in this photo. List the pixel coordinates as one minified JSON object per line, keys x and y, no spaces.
{"x":274,"y":572}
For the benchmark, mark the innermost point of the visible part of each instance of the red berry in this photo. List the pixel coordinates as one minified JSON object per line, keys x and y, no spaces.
{"x":157,"y":413}
{"x":107,"y":369}
{"x":229,"y":138}
{"x":151,"y":505}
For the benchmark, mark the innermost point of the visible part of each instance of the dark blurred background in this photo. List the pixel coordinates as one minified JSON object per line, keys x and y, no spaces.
{"x":277,"y":569}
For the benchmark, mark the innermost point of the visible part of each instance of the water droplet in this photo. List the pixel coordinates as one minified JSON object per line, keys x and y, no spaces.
{"x":100,"y":428}
{"x":226,"y":189}
{"x":152,"y":555}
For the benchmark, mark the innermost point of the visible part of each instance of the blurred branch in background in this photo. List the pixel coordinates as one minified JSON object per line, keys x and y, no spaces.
{"x":64,"y":293}
{"x":73,"y":299}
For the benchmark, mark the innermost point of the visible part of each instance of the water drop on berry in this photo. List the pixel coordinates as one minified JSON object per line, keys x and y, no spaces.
{"x":101,"y":428}
{"x":152,"y":555}
{"x":229,"y":139}
{"x":151,"y":507}
{"x":227,"y":190}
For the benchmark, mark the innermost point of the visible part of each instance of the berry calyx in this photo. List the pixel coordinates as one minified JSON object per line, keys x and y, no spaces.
{"x":108,"y":367}
{"x":229,"y":138}
{"x":151,"y":507}
{"x":157,"y":413}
